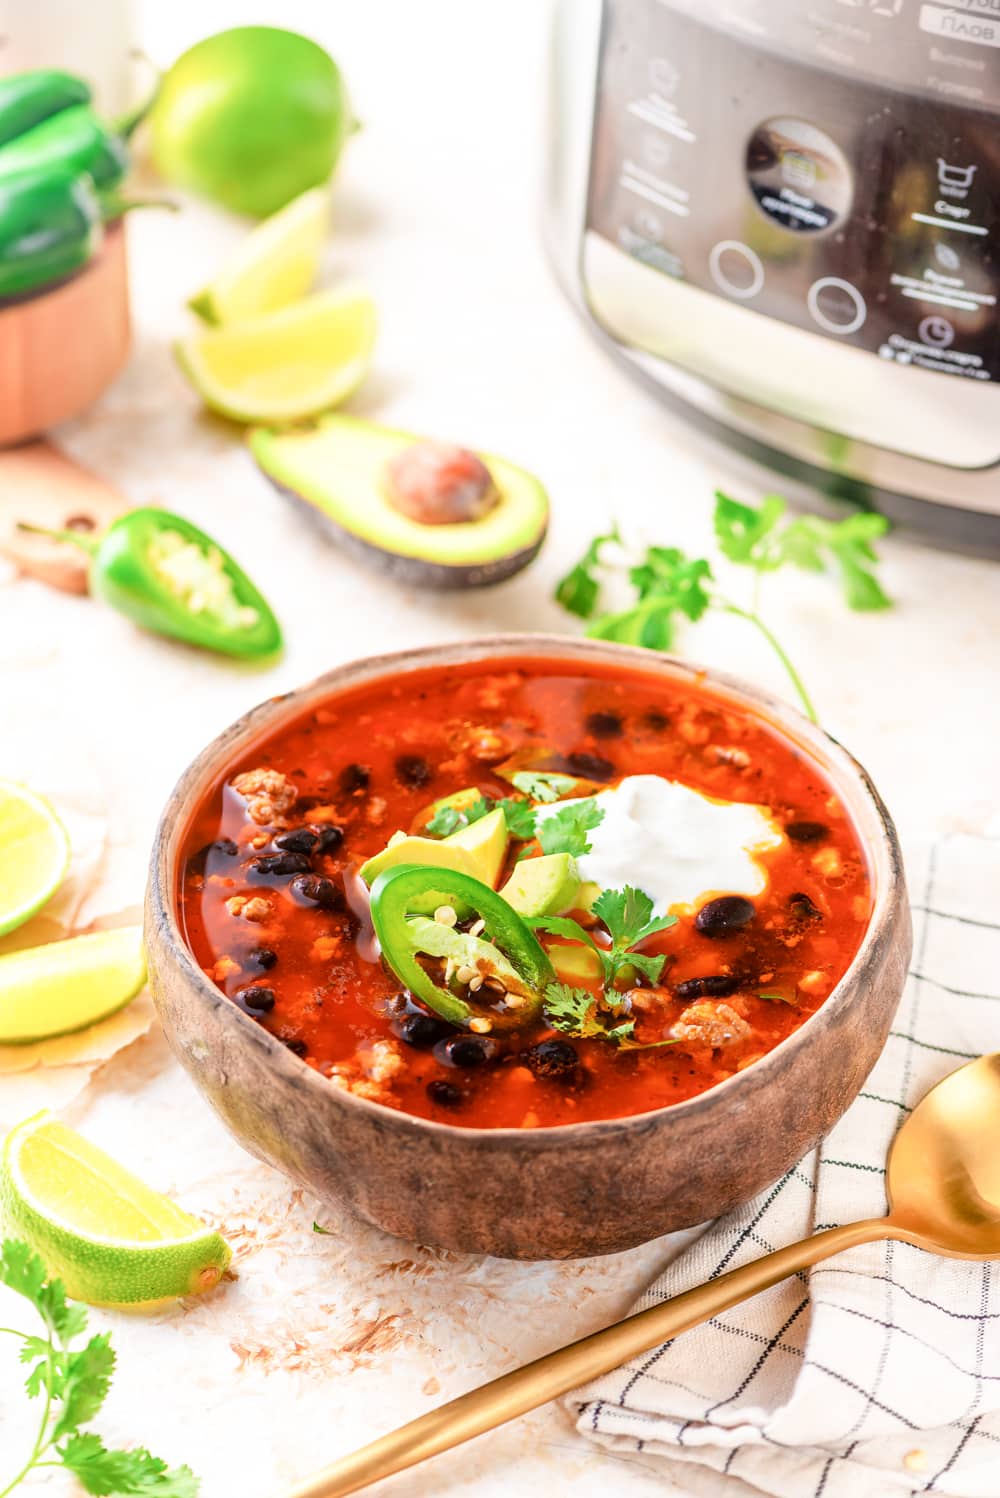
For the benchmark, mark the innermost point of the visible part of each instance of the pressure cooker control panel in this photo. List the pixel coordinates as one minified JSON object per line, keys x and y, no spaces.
{"x":862,"y":213}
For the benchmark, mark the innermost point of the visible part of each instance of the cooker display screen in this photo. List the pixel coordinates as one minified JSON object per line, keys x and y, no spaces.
{"x":856,"y":211}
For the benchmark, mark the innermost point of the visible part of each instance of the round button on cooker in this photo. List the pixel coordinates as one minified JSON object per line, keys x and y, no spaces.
{"x":836,"y":305}
{"x":736,"y":269}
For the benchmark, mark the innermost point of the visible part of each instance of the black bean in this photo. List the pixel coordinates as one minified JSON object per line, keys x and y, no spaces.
{"x":444,"y":1094}
{"x":552,"y":1059}
{"x":421,"y":1030}
{"x":261,"y":958}
{"x":354,"y":778}
{"x":298,"y":840}
{"x":279,"y":865}
{"x":223,"y":847}
{"x":314,"y":889}
{"x":329,"y":838}
{"x":297,"y":1047}
{"x":806,"y":832}
{"x":723,"y":916}
{"x":717,"y":986}
{"x":466,"y":1051}
{"x":804,"y":909}
{"x":592,"y":766}
{"x":656,"y":720}
{"x":604,"y":725}
{"x":414,"y":771}
{"x":255,"y":998}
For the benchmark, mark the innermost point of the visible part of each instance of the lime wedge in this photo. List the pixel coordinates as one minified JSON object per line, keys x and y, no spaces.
{"x":290,"y":364}
{"x":109,"y":1238}
{"x":34,"y":854}
{"x":68,"y":985}
{"x":276,"y":263}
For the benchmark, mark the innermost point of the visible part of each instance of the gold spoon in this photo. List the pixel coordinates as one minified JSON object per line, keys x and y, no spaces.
{"x":943,"y":1184}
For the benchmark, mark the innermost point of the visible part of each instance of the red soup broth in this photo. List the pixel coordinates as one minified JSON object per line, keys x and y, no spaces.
{"x":295,"y":950}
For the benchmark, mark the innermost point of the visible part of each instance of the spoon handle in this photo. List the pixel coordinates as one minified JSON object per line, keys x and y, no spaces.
{"x":557,"y":1372}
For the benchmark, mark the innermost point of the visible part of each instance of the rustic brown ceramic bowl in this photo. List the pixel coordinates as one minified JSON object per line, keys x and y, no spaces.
{"x":588,"y":1188}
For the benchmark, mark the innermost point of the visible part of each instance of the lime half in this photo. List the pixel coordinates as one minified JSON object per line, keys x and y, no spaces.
{"x":106,"y":1235}
{"x":68,"y":985}
{"x":294,"y":363}
{"x":276,"y":264}
{"x":34,"y":854}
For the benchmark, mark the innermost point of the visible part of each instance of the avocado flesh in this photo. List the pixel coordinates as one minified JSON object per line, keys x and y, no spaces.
{"x":477,"y":850}
{"x":543,"y":886}
{"x":337,"y":467}
{"x":574,"y":964}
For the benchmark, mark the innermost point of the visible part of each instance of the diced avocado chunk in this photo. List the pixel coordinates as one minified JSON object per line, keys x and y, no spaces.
{"x":543,"y":886}
{"x":587,"y":894}
{"x":477,"y":850}
{"x":485,"y":842}
{"x":428,"y":850}
{"x":574,"y":964}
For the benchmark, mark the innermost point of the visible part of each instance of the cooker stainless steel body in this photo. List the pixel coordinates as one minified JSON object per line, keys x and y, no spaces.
{"x":785,"y":214}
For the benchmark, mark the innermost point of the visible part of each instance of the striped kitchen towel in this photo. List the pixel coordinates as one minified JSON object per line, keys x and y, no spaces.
{"x":877,"y":1372}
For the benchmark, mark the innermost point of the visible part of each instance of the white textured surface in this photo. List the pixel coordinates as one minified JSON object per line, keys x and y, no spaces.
{"x":326,"y":1341}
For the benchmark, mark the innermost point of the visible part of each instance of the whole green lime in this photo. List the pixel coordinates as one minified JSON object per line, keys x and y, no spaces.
{"x":251,"y":118}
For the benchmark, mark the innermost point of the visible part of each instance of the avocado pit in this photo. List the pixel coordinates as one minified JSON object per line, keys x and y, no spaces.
{"x":439,"y":483}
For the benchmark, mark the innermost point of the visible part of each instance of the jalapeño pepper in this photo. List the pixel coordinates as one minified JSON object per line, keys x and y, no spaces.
{"x":50,"y":227}
{"x":512,"y":953}
{"x":60,"y":170}
{"x":26,"y":99}
{"x":168,"y":576}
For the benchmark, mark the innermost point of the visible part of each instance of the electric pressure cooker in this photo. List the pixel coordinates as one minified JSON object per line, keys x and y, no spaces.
{"x":785,"y":215}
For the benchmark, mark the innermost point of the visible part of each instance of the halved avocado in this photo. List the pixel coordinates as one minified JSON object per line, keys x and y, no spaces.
{"x":336,"y":468}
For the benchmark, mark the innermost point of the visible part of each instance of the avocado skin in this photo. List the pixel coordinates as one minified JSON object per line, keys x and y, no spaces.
{"x":413,"y":571}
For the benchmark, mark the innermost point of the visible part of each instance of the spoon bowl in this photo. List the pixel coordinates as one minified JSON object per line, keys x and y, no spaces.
{"x":943,"y":1178}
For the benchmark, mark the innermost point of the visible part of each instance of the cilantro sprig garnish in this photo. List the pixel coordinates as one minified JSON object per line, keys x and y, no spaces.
{"x":574,"y":1012}
{"x":72,"y":1382}
{"x":669,"y":585}
{"x":543,"y":785}
{"x":565,"y":830}
{"x":519,"y":814}
{"x":628,"y":916}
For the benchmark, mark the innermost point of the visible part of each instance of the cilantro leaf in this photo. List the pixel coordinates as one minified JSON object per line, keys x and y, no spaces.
{"x":628,"y":915}
{"x":621,"y":1032}
{"x":571,"y":1011}
{"x":810,"y":541}
{"x":565,"y":831}
{"x":579,"y":590}
{"x":743,"y":532}
{"x":650,"y":967}
{"x":480,"y":808}
{"x":85,"y":1384}
{"x":520,"y":817}
{"x":444,"y":822}
{"x":562,"y":925}
{"x":542,"y":786}
{"x":134,"y":1472}
{"x":668,"y":575}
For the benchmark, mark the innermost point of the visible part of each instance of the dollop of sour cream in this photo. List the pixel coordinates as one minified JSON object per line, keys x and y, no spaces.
{"x":679,"y":846}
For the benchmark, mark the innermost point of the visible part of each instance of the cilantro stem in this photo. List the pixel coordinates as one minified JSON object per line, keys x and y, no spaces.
{"x":796,"y":680}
